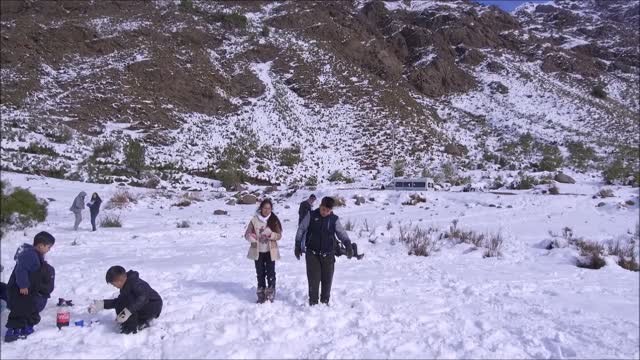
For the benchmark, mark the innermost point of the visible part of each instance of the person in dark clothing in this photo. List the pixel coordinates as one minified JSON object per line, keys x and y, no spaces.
{"x":316,"y":238}
{"x":305,"y":208}
{"x":3,"y":296}
{"x":30,"y":285}
{"x":94,"y":208}
{"x":3,"y":293}
{"x":137,"y":303}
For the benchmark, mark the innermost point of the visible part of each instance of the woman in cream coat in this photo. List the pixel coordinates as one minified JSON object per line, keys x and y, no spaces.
{"x":263,"y":232}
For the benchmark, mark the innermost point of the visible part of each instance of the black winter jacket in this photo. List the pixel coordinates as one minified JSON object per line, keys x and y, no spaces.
{"x":94,"y":205}
{"x":135,"y":293}
{"x":318,"y":234}
{"x":304,"y":209}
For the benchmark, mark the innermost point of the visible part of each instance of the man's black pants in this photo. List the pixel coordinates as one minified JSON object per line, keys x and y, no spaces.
{"x":319,"y":272}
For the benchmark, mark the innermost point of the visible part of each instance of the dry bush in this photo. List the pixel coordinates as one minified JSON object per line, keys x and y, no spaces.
{"x":339,"y":201}
{"x":368,"y":231}
{"x":605,"y":193}
{"x":110,"y":221}
{"x":494,"y":245}
{"x":121,"y":199}
{"x":183,"y":224}
{"x":415,"y":199}
{"x":366,"y":226}
{"x":183,"y":203}
{"x":420,"y":241}
{"x":350,"y":225}
{"x":389,"y":225}
{"x":591,"y":254}
{"x":626,"y":253}
{"x":192,"y":196}
{"x":459,"y":236}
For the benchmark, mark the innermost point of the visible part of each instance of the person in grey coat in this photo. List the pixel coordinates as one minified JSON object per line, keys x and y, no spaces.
{"x":77,"y":207}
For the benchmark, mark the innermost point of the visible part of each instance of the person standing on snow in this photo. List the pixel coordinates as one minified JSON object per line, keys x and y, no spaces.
{"x":316,"y":238}
{"x":30,"y":285}
{"x":94,"y":209}
{"x":305,"y":208}
{"x":263,"y":232}
{"x":77,"y":207}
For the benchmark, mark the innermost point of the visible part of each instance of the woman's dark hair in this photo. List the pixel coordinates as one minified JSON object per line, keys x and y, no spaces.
{"x":95,"y":196}
{"x":114,"y":272}
{"x":273,"y":223}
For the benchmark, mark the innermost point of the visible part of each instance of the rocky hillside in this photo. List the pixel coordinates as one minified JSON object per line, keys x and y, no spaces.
{"x":291,"y":92}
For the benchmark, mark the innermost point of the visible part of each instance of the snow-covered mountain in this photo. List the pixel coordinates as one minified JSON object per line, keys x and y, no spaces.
{"x":289,"y":92}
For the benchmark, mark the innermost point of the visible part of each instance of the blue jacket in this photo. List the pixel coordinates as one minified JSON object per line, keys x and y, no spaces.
{"x":94,"y":205}
{"x":33,"y":273}
{"x":28,"y":260}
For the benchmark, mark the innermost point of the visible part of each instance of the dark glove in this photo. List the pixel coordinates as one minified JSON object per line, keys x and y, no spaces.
{"x":297,"y":251}
{"x":349,"y":251}
{"x":129,"y":328}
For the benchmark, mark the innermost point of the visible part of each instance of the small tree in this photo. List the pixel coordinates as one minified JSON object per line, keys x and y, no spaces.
{"x":20,"y":209}
{"x":580,"y":155}
{"x":526,"y":143}
{"x":186,"y":5}
{"x":599,"y":91}
{"x":615,"y":171}
{"x":449,"y":172}
{"x":551,"y":158}
{"x":398,"y":168}
{"x":265,"y":31}
{"x":291,"y":156}
{"x":312,"y":181}
{"x":135,"y":156}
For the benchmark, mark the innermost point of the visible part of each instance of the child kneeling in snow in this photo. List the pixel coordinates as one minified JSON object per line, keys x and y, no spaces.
{"x":137,"y":303}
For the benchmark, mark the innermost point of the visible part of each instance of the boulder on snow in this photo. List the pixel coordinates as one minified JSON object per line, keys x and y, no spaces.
{"x":564,"y":179}
{"x":453,"y":149}
{"x":248,"y":199}
{"x":231,"y":202}
{"x":220,"y":212}
{"x":359,"y":199}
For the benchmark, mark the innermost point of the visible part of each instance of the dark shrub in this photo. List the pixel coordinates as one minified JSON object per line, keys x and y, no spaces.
{"x":19,"y":208}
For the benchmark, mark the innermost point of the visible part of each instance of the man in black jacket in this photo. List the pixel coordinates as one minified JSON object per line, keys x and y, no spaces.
{"x":137,"y":303}
{"x":305,"y":208}
{"x":316,"y":238}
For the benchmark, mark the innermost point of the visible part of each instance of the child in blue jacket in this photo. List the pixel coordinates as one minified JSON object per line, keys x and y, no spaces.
{"x":29,"y":286}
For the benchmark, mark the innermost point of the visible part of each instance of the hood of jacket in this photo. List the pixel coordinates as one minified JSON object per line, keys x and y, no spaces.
{"x":25,"y":247}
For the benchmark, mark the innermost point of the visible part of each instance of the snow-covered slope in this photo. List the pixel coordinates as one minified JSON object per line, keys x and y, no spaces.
{"x":528,"y":303}
{"x":352,"y":85}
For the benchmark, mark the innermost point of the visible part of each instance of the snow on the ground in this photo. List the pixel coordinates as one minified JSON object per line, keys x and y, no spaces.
{"x":530,"y":303}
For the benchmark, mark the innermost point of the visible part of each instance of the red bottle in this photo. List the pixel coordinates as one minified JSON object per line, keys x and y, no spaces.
{"x":63,"y":317}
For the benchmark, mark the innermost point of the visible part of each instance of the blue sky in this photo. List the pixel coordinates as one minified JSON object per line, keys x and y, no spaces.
{"x":508,"y":5}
